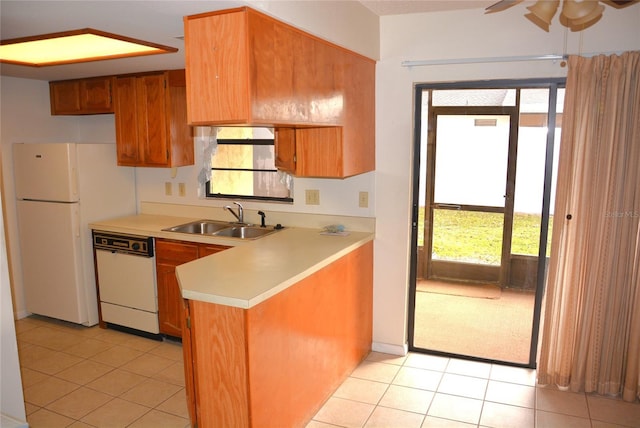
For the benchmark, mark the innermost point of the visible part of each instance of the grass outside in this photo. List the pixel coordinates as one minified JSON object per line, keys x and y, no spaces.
{"x":476,"y":237}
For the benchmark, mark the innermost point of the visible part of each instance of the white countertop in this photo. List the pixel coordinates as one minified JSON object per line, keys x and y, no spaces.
{"x":253,"y":270}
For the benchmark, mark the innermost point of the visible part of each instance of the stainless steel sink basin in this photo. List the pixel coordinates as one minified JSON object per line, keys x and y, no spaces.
{"x":200,"y":227}
{"x":221,"y":229}
{"x":244,"y":232}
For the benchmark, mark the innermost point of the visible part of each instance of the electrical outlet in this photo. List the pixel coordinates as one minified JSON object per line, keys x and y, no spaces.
{"x":182,"y":189}
{"x":168,"y":188}
{"x":363,"y":199}
{"x":312,"y":196}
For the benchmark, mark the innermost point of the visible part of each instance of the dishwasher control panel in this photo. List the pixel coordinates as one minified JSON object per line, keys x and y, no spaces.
{"x":123,"y":243}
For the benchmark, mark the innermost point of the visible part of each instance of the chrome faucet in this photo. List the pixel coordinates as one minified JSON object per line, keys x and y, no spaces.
{"x":240,"y":215}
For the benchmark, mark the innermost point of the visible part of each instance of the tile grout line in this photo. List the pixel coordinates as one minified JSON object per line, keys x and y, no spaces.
{"x":82,"y":358}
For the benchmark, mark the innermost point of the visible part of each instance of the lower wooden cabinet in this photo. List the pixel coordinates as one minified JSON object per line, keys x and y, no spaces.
{"x":276,"y":363}
{"x":170,"y":254}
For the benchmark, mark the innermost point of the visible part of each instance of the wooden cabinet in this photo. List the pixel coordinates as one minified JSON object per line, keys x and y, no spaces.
{"x":82,"y":96}
{"x":151,"y":120}
{"x":244,"y":67}
{"x":276,"y":363}
{"x":311,"y":152}
{"x":170,"y":254}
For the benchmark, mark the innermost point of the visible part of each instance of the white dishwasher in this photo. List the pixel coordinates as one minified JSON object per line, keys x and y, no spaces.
{"x":126,"y":276}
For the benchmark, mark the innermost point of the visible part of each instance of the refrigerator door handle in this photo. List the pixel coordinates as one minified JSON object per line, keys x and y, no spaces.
{"x":74,"y":182}
{"x":76,"y":220}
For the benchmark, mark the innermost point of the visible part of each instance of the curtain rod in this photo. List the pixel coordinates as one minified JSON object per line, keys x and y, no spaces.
{"x":481,"y":60}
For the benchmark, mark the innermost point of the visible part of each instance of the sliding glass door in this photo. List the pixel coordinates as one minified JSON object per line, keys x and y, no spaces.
{"x":483,"y":187}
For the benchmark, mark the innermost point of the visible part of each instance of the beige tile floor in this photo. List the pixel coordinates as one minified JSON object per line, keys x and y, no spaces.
{"x":77,"y":377}
{"x":90,"y":377}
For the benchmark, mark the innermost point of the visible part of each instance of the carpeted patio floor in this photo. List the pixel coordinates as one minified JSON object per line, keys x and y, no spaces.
{"x":479,"y":322}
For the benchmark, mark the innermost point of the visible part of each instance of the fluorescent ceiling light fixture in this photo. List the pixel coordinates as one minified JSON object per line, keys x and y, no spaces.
{"x":75,"y":46}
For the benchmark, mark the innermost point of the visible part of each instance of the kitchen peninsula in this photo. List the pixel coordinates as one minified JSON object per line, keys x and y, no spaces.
{"x":273,"y":325}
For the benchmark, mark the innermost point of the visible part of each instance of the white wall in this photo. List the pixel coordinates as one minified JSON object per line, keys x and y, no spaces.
{"x":447,"y":35}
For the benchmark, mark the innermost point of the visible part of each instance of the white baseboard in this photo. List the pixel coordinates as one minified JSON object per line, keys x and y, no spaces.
{"x":21,"y":314}
{"x":7,"y":421}
{"x":388,"y":348}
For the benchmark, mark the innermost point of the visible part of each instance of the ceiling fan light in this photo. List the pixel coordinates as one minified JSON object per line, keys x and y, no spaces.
{"x":594,"y":16}
{"x":576,"y":10}
{"x":542,"y":13}
{"x":579,"y":25}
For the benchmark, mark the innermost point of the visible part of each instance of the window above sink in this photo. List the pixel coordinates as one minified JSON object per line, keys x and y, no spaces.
{"x":243,"y":166}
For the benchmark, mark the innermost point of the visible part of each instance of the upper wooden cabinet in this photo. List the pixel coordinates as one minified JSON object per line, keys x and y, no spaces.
{"x":151,"y":120}
{"x":244,"y":67}
{"x":316,"y":152}
{"x":82,"y":96}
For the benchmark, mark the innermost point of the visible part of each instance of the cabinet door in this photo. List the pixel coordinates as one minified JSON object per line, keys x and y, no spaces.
{"x":216,"y":54}
{"x":189,"y":372}
{"x":170,"y":254}
{"x":95,"y":95}
{"x":153,"y":138}
{"x":285,"y":149}
{"x":319,"y":152}
{"x":126,"y":113}
{"x":64,"y":97}
{"x":169,"y":298}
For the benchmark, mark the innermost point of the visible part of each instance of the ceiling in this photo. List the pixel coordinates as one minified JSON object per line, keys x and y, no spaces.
{"x":154,"y":21}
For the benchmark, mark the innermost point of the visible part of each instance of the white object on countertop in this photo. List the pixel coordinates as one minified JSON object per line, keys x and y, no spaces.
{"x":335,"y":233}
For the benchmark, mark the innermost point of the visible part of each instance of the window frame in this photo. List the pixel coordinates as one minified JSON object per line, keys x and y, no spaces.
{"x":245,"y":142}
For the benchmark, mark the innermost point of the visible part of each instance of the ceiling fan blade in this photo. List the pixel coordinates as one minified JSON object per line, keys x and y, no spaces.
{"x":501,"y":5}
{"x":619,"y":3}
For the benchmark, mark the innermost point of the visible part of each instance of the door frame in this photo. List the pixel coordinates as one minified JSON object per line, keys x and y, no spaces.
{"x":551,"y":83}
{"x":499,"y":274}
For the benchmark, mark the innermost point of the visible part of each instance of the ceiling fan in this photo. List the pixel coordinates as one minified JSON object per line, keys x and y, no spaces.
{"x":576,"y":14}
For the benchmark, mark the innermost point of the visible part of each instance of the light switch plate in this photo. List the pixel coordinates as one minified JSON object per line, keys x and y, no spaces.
{"x":182,"y":189}
{"x":168,"y":188}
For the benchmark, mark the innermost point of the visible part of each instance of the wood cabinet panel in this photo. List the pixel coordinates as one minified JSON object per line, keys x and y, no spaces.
{"x":126,"y":120}
{"x":285,"y":149}
{"x":244,"y":67}
{"x":310,"y":152}
{"x":217,"y":76}
{"x":275,"y":364}
{"x":65,"y":97}
{"x":81,"y":96}
{"x":170,"y":254}
{"x":218,"y":343}
{"x":175,"y":251}
{"x":151,"y":126}
{"x":96,"y":95}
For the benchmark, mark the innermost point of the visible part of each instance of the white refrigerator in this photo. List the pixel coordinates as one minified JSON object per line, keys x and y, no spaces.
{"x":61,"y":188}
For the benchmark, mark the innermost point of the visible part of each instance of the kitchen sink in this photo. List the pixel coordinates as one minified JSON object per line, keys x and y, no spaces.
{"x":245,"y":232}
{"x":200,"y":227}
{"x":222,"y":229}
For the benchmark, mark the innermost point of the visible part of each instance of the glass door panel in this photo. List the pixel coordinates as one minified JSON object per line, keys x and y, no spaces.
{"x":469,"y":195}
{"x":471,"y":160}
